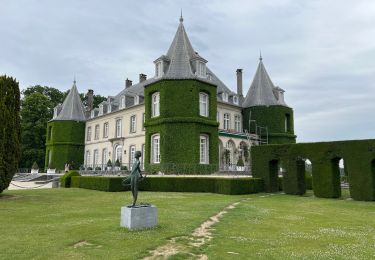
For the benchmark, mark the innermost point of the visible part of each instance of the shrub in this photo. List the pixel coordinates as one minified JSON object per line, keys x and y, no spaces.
{"x":117,"y":163}
{"x":35,"y":166}
{"x":97,"y":168}
{"x":66,"y":178}
{"x":109,"y":163}
{"x":240,"y":162}
{"x":124,"y":168}
{"x":175,"y":184}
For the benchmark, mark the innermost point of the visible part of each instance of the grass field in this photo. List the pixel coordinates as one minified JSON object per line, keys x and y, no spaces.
{"x":84,"y":224}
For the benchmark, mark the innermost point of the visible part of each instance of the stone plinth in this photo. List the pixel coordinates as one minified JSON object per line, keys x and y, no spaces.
{"x":139,"y":217}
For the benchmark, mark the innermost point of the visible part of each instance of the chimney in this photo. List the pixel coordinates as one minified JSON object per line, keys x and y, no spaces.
{"x":239,"y":82}
{"x":128,"y":83}
{"x":90,"y":99}
{"x":142,"y":77}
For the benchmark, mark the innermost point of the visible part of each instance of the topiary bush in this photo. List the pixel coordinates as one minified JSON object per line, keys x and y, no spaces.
{"x":66,"y":178}
{"x":232,"y":186}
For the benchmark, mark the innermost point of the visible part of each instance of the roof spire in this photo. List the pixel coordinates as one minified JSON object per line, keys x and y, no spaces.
{"x":260,"y":55}
{"x":181,"y":18}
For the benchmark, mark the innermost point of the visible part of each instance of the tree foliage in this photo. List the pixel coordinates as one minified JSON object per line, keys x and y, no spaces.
{"x":9,"y":129}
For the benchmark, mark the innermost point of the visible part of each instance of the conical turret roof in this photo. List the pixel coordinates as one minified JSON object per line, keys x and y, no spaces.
{"x":72,"y":108}
{"x":261,"y":92}
{"x":180,"y":54}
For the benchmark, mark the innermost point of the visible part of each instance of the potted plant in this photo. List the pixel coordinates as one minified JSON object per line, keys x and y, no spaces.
{"x":117,"y":165}
{"x":240,"y":164}
{"x":109,"y":165}
{"x":35,"y":168}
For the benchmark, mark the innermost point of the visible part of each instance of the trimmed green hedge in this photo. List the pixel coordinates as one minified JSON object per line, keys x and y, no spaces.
{"x":65,"y":180}
{"x":358,"y":155}
{"x":232,"y":186}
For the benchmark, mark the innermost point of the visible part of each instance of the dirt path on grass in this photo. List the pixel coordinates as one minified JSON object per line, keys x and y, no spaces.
{"x":188,"y":245}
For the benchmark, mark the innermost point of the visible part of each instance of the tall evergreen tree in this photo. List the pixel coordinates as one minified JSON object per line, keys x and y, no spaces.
{"x":9,"y":129}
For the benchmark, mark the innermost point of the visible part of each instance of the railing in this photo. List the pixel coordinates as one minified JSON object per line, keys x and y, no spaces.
{"x":164,"y":168}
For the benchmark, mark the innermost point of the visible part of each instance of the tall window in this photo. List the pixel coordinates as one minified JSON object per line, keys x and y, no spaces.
{"x":96,"y":137}
{"x":88,"y":157}
{"x":203,"y":147}
{"x":158,"y":69}
{"x":118,"y":154}
{"x":105,"y":130}
{"x":226,"y":121}
{"x":155,"y":104}
{"x":237,"y":123}
{"x":131,"y":155}
{"x":287,"y":123}
{"x":143,"y":121}
{"x":122,"y":105}
{"x":203,"y":104}
{"x":155,"y":148}
{"x":133,"y":124}
{"x":143,"y":156}
{"x":95,"y":159}
{"x":201,"y":69}
{"x":104,"y":157}
{"x":118,"y":127}
{"x":88,"y":134}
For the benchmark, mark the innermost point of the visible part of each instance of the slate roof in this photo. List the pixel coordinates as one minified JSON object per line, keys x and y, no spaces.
{"x":72,"y":108}
{"x":262,"y":92}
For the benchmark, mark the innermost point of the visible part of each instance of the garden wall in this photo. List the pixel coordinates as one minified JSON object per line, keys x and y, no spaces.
{"x":358,"y":155}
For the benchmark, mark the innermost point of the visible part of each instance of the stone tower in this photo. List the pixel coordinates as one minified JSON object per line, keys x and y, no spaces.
{"x":180,"y":112}
{"x":65,"y":140}
{"x":264,"y":106}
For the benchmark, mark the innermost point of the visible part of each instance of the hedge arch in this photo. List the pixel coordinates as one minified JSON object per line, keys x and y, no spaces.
{"x":358,"y":158}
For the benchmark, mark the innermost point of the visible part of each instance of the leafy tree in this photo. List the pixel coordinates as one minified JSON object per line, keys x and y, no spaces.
{"x":9,"y":130}
{"x":54,"y":95}
{"x":35,"y":113}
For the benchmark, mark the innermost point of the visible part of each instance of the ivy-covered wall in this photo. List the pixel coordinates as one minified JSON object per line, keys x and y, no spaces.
{"x":272,"y":117}
{"x":359,"y":159}
{"x":180,"y":126}
{"x":66,"y":142}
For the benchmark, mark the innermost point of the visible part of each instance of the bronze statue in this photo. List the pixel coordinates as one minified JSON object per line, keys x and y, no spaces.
{"x":135,"y":177}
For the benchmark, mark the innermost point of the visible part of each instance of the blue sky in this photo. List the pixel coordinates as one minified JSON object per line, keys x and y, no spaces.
{"x":321,"y":52}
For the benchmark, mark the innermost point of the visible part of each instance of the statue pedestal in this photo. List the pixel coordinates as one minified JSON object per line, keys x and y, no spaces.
{"x":139,"y":217}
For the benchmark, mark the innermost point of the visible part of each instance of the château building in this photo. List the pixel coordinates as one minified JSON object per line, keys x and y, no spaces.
{"x":184,"y":118}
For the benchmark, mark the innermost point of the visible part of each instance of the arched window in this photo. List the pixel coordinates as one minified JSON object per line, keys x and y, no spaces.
{"x":132,"y":156}
{"x":204,"y":149}
{"x":155,"y":148}
{"x":155,"y":107}
{"x":104,"y":157}
{"x":203,"y":104}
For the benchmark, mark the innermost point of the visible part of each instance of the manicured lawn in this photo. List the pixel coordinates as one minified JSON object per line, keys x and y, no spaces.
{"x":292,"y":227}
{"x":46,"y":224}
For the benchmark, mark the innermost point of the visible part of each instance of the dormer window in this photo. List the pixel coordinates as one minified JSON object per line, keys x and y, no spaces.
{"x":201,"y":69}
{"x":159,"y":69}
{"x":224,"y":96}
{"x":122,"y":102}
{"x":235,"y":100}
{"x":109,"y":108}
{"x":136,"y":100}
{"x":100,"y":110}
{"x":92,"y":114}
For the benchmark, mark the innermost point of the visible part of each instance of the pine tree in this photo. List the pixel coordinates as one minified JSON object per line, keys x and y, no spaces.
{"x":9,"y":129}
